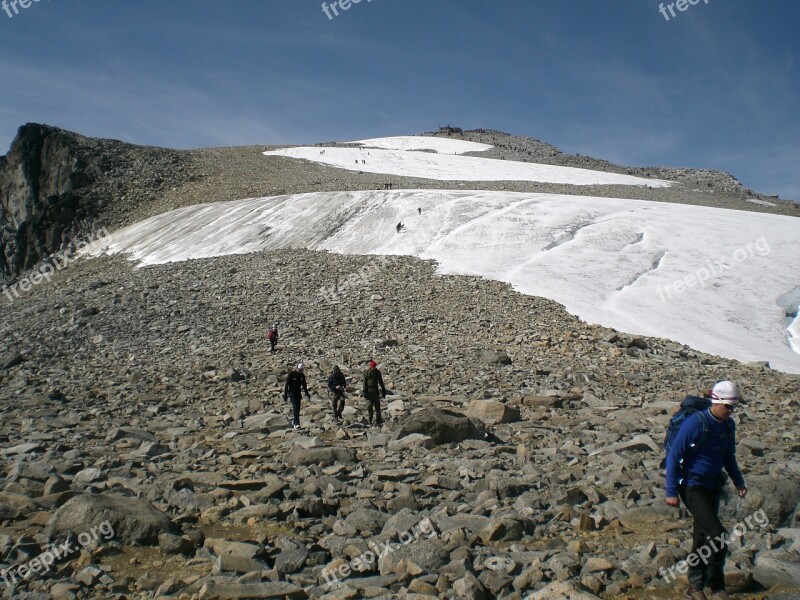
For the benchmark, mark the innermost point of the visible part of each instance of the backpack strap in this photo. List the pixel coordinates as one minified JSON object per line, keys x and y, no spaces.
{"x":706,"y":429}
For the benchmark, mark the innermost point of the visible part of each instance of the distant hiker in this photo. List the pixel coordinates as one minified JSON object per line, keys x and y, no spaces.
{"x":419,"y":210}
{"x":295,"y":384}
{"x":373,"y":391}
{"x":703,"y":446}
{"x":399,"y":227}
{"x":322,"y":152}
{"x":272,"y":336}
{"x":337,"y":385}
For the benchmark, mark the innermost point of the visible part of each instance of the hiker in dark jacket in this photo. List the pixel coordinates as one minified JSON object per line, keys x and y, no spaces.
{"x":373,"y":391}
{"x":337,"y":385}
{"x":295,"y":385}
{"x":704,"y":445}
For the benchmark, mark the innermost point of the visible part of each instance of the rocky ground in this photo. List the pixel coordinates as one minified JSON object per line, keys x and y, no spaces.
{"x":142,"y":426}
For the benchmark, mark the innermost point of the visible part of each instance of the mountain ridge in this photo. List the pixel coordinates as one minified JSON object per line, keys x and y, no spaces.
{"x":57,"y":186}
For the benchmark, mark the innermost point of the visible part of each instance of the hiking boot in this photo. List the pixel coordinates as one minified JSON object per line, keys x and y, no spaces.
{"x":719,"y":595}
{"x":296,"y":426}
{"x":694,"y":594}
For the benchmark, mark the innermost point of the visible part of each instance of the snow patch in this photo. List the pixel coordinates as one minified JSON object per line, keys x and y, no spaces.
{"x":614,"y":258}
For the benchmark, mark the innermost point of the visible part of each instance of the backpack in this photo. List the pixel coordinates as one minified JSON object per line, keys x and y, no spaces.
{"x":371,"y":381}
{"x":689,"y":406}
{"x":271,"y":335}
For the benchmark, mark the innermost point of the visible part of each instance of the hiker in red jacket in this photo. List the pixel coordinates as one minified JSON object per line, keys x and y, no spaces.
{"x":272,"y":336}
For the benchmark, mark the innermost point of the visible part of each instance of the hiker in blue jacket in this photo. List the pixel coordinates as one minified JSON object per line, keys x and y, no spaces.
{"x":704,"y":445}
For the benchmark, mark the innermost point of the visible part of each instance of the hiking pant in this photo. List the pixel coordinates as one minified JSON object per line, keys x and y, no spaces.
{"x":295,"y":409}
{"x":337,"y":401}
{"x":374,"y":407}
{"x":272,"y":345}
{"x":703,"y":503}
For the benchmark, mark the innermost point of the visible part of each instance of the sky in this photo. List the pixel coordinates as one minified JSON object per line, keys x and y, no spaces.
{"x":714,"y":86}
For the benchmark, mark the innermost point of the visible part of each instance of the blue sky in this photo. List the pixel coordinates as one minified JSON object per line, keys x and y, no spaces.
{"x":715,"y":86}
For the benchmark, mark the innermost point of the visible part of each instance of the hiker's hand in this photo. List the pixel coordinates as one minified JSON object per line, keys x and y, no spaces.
{"x":742,"y":491}
{"x":673,"y":501}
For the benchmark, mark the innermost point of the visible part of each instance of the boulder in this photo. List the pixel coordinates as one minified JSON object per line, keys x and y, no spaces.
{"x":494,"y":357}
{"x":415,"y":440}
{"x":319,"y":456}
{"x":134,"y":521}
{"x":780,"y":570}
{"x":493,"y":412}
{"x":443,"y":426}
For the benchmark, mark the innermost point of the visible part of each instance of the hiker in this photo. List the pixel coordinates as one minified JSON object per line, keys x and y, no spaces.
{"x":373,"y":391}
{"x":337,"y":385}
{"x":419,"y":210}
{"x":703,"y":446}
{"x":272,"y":336}
{"x":399,"y":227}
{"x":295,"y":384}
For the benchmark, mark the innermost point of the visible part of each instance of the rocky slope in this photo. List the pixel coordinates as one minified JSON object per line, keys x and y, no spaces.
{"x":146,"y":402}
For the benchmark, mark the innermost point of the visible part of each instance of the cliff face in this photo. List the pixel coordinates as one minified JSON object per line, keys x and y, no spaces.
{"x":56,"y":186}
{"x":43,"y":181}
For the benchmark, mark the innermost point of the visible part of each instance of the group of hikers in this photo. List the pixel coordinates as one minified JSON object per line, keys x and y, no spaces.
{"x":700,"y":443}
{"x":373,"y":390}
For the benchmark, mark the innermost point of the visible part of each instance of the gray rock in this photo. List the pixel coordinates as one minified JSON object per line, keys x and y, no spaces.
{"x":779,"y":570}
{"x":291,"y":561}
{"x":443,"y":426}
{"x":239,"y":564}
{"x":319,"y":456}
{"x":174,"y":544}
{"x":428,"y":554}
{"x":492,"y":357}
{"x":231,"y":591}
{"x":134,"y":521}
{"x":492,"y":412}
{"x":410,"y":442}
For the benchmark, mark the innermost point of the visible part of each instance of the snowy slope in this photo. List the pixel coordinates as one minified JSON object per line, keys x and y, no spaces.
{"x":452,"y":167}
{"x":419,"y":142}
{"x":627,"y":264}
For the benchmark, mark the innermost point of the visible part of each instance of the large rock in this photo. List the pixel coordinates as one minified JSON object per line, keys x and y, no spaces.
{"x":428,"y":554}
{"x":268,"y":422}
{"x":319,"y":456}
{"x":778,"y":497}
{"x":559,"y":589}
{"x":494,"y":357}
{"x":415,"y":440}
{"x":443,"y":426}
{"x":227,"y":591}
{"x":493,"y":412}
{"x":777,"y":570}
{"x":134,"y":520}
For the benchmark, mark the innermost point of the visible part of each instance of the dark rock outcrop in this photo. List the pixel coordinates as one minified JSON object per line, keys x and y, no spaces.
{"x":57,"y":186}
